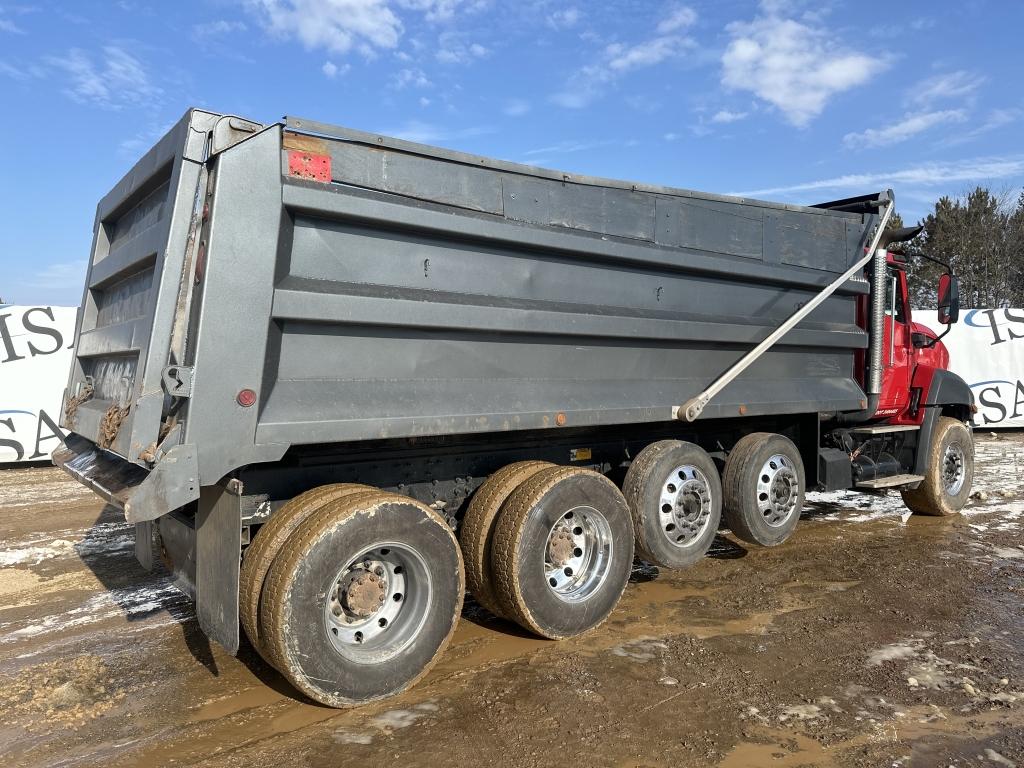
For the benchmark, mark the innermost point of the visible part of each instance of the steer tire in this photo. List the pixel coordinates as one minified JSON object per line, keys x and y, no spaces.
{"x":675,"y":494}
{"x":933,"y":496}
{"x":268,"y":542}
{"x":742,"y":497}
{"x":304,"y":583}
{"x":553,"y":498}
{"x":477,"y":528}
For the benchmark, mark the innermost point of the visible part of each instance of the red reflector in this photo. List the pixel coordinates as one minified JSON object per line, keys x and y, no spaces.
{"x":306,"y":165}
{"x":246,"y":398}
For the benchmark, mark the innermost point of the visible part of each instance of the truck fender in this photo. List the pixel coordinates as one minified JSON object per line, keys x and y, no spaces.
{"x":946,"y":388}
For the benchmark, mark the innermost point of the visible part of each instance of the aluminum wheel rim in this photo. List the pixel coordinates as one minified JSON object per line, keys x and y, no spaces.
{"x":377,"y":603}
{"x":684,"y":510}
{"x":577,"y":553}
{"x":778,"y":490}
{"x":954,"y":468}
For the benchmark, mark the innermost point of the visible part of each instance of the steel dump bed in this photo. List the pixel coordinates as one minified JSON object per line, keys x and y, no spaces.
{"x":363,"y":288}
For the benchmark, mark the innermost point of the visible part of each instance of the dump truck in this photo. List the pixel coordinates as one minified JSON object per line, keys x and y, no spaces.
{"x":337,"y":379}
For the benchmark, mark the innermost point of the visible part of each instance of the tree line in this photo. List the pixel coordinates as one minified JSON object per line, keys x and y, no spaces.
{"x":981,"y":236}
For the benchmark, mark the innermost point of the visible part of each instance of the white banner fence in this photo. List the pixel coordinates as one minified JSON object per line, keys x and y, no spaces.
{"x":35,"y":357}
{"x":986,"y":347}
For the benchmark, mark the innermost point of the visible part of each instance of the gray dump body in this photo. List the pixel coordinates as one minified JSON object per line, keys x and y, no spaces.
{"x":421,"y":291}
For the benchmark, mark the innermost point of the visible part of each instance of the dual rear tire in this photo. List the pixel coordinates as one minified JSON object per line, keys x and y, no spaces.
{"x":360,"y":597}
{"x":548,"y":547}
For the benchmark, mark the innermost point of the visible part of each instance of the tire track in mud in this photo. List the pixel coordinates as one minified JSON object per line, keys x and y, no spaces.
{"x":103,"y":663}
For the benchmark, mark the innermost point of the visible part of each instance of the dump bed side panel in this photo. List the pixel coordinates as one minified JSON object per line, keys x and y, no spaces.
{"x":419,"y":294}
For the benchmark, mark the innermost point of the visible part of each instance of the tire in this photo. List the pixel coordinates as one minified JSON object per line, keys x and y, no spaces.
{"x":343,"y":637}
{"x":477,"y":529}
{"x":675,"y":494}
{"x":949,"y":472}
{"x":533,"y":543}
{"x":749,"y":510}
{"x":268,"y":542}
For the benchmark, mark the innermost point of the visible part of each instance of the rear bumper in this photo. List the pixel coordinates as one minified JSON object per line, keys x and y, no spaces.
{"x":141,"y":494}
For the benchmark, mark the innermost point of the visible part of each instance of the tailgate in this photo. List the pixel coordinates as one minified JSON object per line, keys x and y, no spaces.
{"x":138,"y":286}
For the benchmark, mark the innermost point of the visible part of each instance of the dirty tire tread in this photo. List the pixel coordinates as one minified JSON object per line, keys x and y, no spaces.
{"x":508,"y":535}
{"x":930,"y":498}
{"x":477,"y":529}
{"x":259,"y":555}
{"x":637,"y":477}
{"x":315,"y":528}
{"x":732,"y":477}
{"x":270,"y":631}
{"x":737,"y":468}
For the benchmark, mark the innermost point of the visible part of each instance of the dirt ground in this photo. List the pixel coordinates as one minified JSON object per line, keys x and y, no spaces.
{"x":869,"y":639}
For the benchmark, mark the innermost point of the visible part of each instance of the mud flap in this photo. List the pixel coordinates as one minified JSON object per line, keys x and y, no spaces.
{"x":218,"y":560}
{"x":144,"y":544}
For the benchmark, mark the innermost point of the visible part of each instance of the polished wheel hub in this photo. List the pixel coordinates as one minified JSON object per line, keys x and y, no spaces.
{"x":376,"y":604}
{"x":953,"y":468}
{"x":577,"y":554}
{"x":778,"y":490}
{"x":684,"y":510}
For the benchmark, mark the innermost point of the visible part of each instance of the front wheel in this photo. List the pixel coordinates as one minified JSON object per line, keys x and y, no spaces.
{"x":949,"y":471}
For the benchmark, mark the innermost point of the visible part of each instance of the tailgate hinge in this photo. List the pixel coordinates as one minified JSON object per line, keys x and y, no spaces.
{"x":177,"y":380}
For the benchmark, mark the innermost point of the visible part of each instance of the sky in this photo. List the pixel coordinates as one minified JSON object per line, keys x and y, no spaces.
{"x":791,"y":101}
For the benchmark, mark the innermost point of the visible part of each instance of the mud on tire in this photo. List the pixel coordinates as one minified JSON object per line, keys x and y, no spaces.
{"x":949,"y":472}
{"x":260,"y":554}
{"x":675,"y":494}
{"x":362,"y":598}
{"x":477,"y":529}
{"x":763,"y":487}
{"x":562,"y":551}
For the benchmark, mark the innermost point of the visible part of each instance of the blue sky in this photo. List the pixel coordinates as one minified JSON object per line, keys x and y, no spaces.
{"x":792,"y":101}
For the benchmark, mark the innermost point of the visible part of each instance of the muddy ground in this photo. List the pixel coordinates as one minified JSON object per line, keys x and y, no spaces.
{"x":868,"y":639}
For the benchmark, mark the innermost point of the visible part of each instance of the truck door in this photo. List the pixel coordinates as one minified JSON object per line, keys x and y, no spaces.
{"x":896,"y":353}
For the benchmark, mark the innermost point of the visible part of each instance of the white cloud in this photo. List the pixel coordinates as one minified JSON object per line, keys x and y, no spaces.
{"x":57,"y":284}
{"x":793,"y":65}
{"x":332,"y":70}
{"x":442,"y":10}
{"x":451,"y":50}
{"x":32,"y":71}
{"x":114,"y":80}
{"x":428,"y":133}
{"x":925,"y":174}
{"x":680,"y":18}
{"x":424,"y":101}
{"x":587,"y":83}
{"x":951,"y":85}
{"x":6,"y":25}
{"x":901,"y":130}
{"x":334,"y":25}
{"x":516,"y":107}
{"x":672,"y":136}
{"x":568,"y":147}
{"x":727,"y":116}
{"x":411,"y":77}
{"x":646,"y":54}
{"x":567,"y":18}
{"x":211,"y":29}
{"x":995,"y":119}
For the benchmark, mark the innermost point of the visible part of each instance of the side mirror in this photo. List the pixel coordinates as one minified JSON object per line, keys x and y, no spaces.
{"x":949,"y":299}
